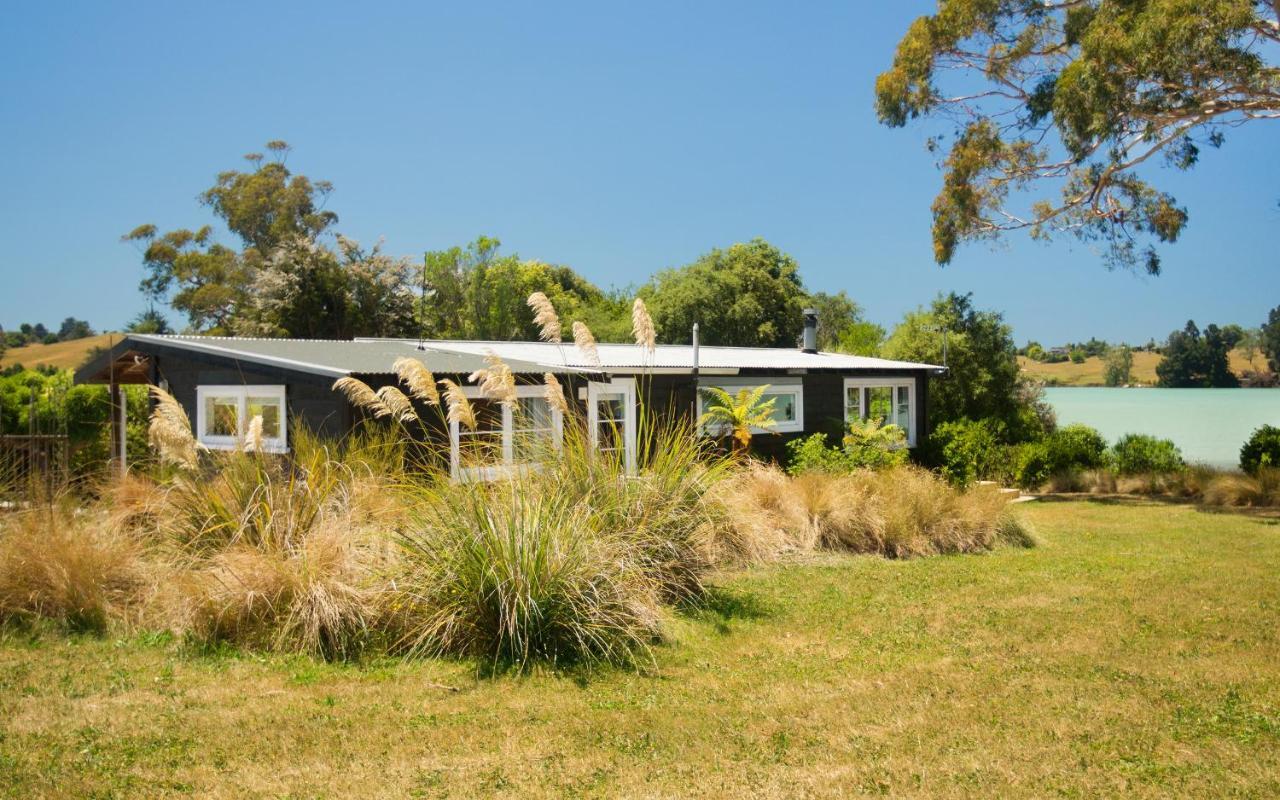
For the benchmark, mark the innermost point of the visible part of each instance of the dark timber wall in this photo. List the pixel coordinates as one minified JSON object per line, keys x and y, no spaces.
{"x":313,"y":403}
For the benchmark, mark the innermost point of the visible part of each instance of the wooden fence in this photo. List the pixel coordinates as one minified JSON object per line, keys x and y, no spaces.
{"x":34,"y":463}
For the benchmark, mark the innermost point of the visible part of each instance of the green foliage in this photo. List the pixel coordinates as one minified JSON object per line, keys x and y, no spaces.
{"x":282,"y":281}
{"x":1261,"y":450}
{"x":1195,"y":360}
{"x":475,"y":293}
{"x":749,"y":295}
{"x":72,"y":329}
{"x":1119,"y":366}
{"x":867,"y":445}
{"x":1078,"y":356}
{"x":966,"y":450}
{"x":984,"y":381}
{"x":149,"y":321}
{"x":1074,"y":97}
{"x":47,"y":402}
{"x":842,"y":327}
{"x":1070,"y":449}
{"x":738,"y":415}
{"x":1269,"y":335}
{"x":1138,"y":454}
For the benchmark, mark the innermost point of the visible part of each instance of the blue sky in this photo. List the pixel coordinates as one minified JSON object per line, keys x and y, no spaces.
{"x":615,"y":140}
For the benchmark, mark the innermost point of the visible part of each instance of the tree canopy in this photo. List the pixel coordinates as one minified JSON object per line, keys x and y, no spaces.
{"x":983,"y":381}
{"x":1079,"y":94}
{"x":748,"y":295}
{"x":285,"y":278}
{"x":1269,"y":339}
{"x":842,"y":327}
{"x":1195,"y":359}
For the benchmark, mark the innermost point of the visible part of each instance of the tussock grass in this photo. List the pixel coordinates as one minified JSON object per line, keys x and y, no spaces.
{"x":68,"y":568}
{"x":900,"y":513}
{"x":1239,"y":489}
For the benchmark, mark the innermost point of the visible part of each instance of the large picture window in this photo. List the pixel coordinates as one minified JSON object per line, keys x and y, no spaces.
{"x":887,"y":400}
{"x":787,"y":394}
{"x":506,"y":438}
{"x":223,"y":415}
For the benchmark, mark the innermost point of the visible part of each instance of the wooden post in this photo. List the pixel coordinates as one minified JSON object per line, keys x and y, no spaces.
{"x":123,"y":433}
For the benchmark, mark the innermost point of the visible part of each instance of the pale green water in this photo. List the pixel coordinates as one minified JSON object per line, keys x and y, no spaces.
{"x":1209,"y":425}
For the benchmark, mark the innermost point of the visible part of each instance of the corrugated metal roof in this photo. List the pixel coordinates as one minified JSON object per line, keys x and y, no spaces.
{"x":376,"y":356}
{"x":668,"y":356}
{"x":335,"y":358}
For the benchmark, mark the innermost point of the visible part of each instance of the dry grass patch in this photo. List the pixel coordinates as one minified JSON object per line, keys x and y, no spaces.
{"x":74,"y":569}
{"x":900,"y":513}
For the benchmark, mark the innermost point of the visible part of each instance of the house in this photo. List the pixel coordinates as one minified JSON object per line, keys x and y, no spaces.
{"x":223,"y":382}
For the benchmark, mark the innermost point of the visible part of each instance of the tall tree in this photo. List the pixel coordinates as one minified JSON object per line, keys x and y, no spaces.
{"x":1193,"y":359}
{"x":1078,"y":94}
{"x":1270,"y":339}
{"x":749,"y":295}
{"x":983,"y":381}
{"x":284,"y":279}
{"x":1118,"y":365}
{"x":73,"y":328}
{"x":477,"y":293}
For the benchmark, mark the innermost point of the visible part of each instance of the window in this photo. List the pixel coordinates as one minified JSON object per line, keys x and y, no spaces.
{"x":612,"y":420}
{"x":223,"y":415}
{"x":887,"y":400}
{"x":787,"y":394}
{"x":505,"y":438}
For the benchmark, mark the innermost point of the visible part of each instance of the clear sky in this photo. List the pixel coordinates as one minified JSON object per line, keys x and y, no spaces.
{"x":615,"y":140}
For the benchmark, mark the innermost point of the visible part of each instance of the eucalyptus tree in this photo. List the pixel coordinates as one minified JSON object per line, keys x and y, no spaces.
{"x":1068,"y":100}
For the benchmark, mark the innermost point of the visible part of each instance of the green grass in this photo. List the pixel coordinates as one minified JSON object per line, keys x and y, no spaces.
{"x":1134,"y":652}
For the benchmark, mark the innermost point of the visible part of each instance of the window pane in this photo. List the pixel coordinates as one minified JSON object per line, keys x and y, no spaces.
{"x":611,"y":407}
{"x":904,"y":408}
{"x":784,"y":409}
{"x":880,"y":403}
{"x":269,"y":409}
{"x":611,"y":435}
{"x":532,"y":413}
{"x":221,"y":416}
{"x":853,"y":402}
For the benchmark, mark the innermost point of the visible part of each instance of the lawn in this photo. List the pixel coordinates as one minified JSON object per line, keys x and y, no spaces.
{"x":1133,"y":653}
{"x":1092,"y":372}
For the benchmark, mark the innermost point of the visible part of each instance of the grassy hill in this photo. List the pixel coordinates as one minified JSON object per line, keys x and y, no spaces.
{"x":1091,"y":372}
{"x":63,"y":355}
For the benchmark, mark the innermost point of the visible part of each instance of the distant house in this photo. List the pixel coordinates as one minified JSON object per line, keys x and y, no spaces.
{"x":224,"y":382}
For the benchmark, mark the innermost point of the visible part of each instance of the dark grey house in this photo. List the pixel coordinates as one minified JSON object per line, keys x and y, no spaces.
{"x":224,"y":382}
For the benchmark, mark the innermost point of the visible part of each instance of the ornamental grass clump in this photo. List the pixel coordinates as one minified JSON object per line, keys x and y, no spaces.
{"x":74,"y":570}
{"x":900,"y":513}
{"x":515,"y":573}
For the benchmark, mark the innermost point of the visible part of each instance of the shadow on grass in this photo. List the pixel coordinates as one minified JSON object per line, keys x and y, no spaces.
{"x":1266,"y":515}
{"x":721,"y":606}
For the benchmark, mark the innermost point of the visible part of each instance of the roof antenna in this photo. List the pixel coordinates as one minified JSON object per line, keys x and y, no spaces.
{"x":422,"y":309}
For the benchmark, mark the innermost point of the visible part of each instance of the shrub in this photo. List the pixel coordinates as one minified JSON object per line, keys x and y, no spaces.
{"x":866,"y":445}
{"x":1067,"y":450}
{"x":966,"y":450}
{"x":1262,"y":449}
{"x":1137,"y":453}
{"x":812,"y":454}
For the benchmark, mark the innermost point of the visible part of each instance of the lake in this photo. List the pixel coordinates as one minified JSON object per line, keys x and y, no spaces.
{"x":1209,"y":425}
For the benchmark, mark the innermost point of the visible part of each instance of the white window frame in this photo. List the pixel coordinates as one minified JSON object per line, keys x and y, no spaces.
{"x":627,"y":388}
{"x":862,"y":384}
{"x":241,"y":394}
{"x":509,"y":465}
{"x":780,"y":385}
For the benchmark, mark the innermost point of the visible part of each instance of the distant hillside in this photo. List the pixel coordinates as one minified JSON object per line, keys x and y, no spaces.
{"x":1091,"y":372}
{"x":63,"y":355}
